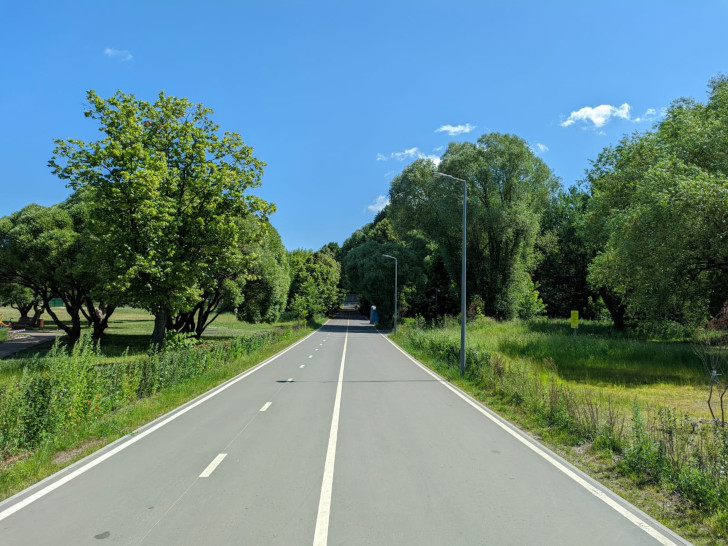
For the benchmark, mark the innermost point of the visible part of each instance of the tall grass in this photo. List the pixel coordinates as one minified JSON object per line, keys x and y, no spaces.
{"x":65,"y":389}
{"x":654,"y":445}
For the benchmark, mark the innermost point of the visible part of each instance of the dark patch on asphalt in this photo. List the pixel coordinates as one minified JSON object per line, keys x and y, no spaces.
{"x":105,"y":534}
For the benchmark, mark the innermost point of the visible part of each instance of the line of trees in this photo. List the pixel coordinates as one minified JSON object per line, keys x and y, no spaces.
{"x":160,"y":218}
{"x":642,"y":237}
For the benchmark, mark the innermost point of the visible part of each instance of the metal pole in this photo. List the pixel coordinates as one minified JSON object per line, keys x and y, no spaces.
{"x":462,"y":287}
{"x":395,"y":289}
{"x":395,"y":296}
{"x":462,"y":276}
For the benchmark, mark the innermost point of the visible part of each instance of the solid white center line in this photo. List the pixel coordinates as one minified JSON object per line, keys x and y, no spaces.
{"x":213,"y":465}
{"x":321,"y":535}
{"x":266,"y":406}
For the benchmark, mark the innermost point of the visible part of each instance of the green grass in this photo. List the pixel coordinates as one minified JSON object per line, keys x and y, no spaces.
{"x":599,"y":359}
{"x":4,"y":334}
{"x":597,"y":355}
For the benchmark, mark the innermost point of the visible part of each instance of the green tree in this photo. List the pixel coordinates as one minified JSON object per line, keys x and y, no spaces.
{"x":562,"y":273}
{"x":22,"y":299}
{"x":508,"y":188}
{"x":167,"y":193}
{"x":372,"y":276}
{"x":658,"y":214}
{"x":44,"y":250}
{"x":315,"y":286}
{"x":265,"y":295}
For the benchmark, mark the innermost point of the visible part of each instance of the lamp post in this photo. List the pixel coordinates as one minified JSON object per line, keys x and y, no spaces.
{"x":395,"y":289}
{"x":462,"y":277}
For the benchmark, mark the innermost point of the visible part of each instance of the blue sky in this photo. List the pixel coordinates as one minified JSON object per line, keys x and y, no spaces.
{"x":337,"y":97}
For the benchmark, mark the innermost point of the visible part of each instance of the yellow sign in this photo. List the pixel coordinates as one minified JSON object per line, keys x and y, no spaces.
{"x":575,"y":319}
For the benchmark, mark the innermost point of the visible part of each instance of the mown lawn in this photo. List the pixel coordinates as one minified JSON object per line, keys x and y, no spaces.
{"x":127,"y":336}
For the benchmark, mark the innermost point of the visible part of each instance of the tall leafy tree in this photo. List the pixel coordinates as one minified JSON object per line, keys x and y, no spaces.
{"x":167,"y":193}
{"x":44,"y":250}
{"x":508,"y":188}
{"x":315,"y":286}
{"x":265,"y":294}
{"x":22,"y":299}
{"x":658,"y":213}
{"x":562,"y":273}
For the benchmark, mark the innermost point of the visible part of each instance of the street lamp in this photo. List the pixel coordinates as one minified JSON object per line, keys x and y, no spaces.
{"x":462,"y":278}
{"x":395,"y":289}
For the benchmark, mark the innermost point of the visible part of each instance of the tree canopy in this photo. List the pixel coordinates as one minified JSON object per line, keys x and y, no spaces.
{"x":167,"y":199}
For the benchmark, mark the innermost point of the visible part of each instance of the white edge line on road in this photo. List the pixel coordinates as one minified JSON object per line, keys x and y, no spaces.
{"x":266,"y":406}
{"x":213,"y":465}
{"x":136,"y":437}
{"x":601,"y":495}
{"x":321,"y":535}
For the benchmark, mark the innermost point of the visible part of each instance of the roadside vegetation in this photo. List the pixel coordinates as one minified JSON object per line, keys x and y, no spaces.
{"x":57,"y":404}
{"x":631,"y":409}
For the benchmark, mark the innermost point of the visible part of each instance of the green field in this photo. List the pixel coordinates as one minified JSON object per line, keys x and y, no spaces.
{"x":597,"y":360}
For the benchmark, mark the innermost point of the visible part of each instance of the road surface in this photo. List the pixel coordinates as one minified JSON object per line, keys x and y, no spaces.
{"x":341,"y":439}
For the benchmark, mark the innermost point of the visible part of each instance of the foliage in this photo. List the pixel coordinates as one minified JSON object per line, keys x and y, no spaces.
{"x":658,"y":214}
{"x":508,"y":187}
{"x":167,"y":199}
{"x":371,"y":275}
{"x":713,"y":355}
{"x":562,"y":273}
{"x":265,"y":295}
{"x":22,"y":299}
{"x":315,"y":285}
{"x":46,"y":250}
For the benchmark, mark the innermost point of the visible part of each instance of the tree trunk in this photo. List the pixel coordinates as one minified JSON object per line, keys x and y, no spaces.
{"x":23,"y":310}
{"x":160,"y":327}
{"x":100,"y":324}
{"x":37,"y":312}
{"x":616,"y":308}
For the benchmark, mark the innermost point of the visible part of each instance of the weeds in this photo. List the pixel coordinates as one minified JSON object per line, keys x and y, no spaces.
{"x":65,"y":389}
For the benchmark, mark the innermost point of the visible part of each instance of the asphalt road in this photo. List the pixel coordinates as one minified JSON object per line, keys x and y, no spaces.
{"x":342,"y":439}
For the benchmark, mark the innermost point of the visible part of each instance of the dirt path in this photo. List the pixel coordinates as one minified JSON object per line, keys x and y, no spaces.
{"x":24,"y":339}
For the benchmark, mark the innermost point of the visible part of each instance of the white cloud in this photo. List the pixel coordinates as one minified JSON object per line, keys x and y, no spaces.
{"x":407,"y":154}
{"x":454,"y":130}
{"x":541,"y":148}
{"x":379,"y":203}
{"x":121,"y":54}
{"x":649,"y":115}
{"x":598,"y":115}
{"x":410,"y":153}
